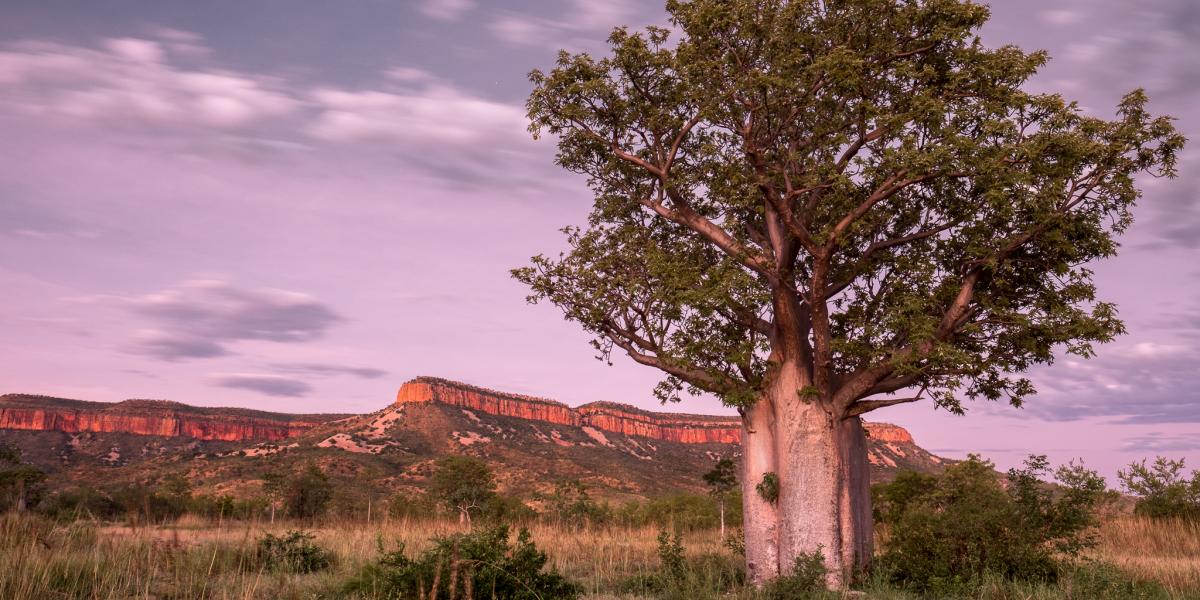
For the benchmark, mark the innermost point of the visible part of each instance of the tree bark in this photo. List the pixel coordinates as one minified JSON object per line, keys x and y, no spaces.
{"x":824,"y":490}
{"x":760,"y":517}
{"x":721,"y":507}
{"x":824,"y":500}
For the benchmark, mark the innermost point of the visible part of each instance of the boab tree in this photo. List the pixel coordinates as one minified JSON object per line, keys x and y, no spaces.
{"x":806,"y":207}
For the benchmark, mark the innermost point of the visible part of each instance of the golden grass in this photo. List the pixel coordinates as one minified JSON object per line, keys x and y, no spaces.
{"x":193,"y":559}
{"x":1163,"y":551}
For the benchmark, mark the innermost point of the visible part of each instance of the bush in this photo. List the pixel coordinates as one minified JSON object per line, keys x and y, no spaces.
{"x":293,"y":552}
{"x":682,"y":578}
{"x":807,"y":579}
{"x":307,"y":494}
{"x":948,"y":533}
{"x":480,"y":564}
{"x":1162,"y":489}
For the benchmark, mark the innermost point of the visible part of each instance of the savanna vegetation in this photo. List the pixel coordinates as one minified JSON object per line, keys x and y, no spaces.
{"x":970,"y":532}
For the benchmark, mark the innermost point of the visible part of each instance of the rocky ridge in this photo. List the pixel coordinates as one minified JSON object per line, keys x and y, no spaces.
{"x":603,"y":416}
{"x":151,"y":417}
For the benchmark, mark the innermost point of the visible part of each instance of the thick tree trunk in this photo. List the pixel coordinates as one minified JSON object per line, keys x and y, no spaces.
{"x":824,"y":492}
{"x":824,"y":500}
{"x":760,"y":517}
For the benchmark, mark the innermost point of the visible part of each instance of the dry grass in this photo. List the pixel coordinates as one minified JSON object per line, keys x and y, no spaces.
{"x":193,"y":559}
{"x":1163,"y":551}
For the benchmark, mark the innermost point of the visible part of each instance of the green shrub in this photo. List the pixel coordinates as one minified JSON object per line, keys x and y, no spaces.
{"x":807,"y":579}
{"x":949,"y":532}
{"x":680,"y":577}
{"x":294,"y":552}
{"x":1162,"y":489}
{"x":480,"y":564}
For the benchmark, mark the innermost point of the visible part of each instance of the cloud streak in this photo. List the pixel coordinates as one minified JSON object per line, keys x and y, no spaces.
{"x":271,"y":385}
{"x":200,"y":317}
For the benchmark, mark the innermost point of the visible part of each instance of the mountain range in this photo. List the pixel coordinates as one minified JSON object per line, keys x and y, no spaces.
{"x":618,"y":451}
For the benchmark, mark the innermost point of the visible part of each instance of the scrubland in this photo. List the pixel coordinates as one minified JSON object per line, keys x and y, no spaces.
{"x":194,"y":558}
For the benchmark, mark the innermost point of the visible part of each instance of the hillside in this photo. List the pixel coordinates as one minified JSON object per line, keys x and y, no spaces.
{"x":619,"y":451}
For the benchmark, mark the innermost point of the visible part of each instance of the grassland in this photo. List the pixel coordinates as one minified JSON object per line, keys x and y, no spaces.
{"x":196,"y":559}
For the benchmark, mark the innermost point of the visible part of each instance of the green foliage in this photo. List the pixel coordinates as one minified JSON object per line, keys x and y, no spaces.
{"x":768,"y":488}
{"x":480,"y":564}
{"x":507,"y":509}
{"x":949,"y":533}
{"x":891,"y":500}
{"x":869,"y":168}
{"x":806,"y":579}
{"x":413,"y":506}
{"x":463,"y":484}
{"x":680,"y":577}
{"x":79,"y":503}
{"x":307,"y":493}
{"x":681,"y":512}
{"x":670,"y":553}
{"x":1162,"y":489}
{"x":293,"y":552}
{"x":571,"y":505}
{"x":722,"y":479}
{"x":21,"y":485}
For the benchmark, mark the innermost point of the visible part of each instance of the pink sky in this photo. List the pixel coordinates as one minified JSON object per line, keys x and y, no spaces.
{"x":298,"y":209}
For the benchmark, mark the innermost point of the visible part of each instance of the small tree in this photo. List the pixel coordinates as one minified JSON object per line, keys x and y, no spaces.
{"x":20,"y":483}
{"x":722,"y":480}
{"x":274,"y":485}
{"x":308,"y":493}
{"x":462,"y":483}
{"x":1162,"y":489}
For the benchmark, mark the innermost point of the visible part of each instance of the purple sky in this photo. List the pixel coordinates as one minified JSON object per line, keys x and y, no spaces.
{"x":296,"y":205}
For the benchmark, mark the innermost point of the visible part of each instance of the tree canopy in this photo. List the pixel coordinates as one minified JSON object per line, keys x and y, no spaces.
{"x":859,"y":187}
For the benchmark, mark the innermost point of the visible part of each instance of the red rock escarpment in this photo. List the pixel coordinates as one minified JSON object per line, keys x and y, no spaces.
{"x":151,"y":417}
{"x":604,"y":416}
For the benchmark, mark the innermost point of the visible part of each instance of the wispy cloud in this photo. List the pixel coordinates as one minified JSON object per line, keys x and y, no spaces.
{"x":200,"y":317}
{"x":445,"y":10}
{"x":271,"y":385}
{"x":324,"y":370}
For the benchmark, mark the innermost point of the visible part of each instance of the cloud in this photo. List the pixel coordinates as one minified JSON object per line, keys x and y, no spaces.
{"x":319,"y":369}
{"x":1133,"y":382}
{"x":199,"y":317}
{"x":164,"y":93}
{"x":1060,"y":17}
{"x":445,"y":10}
{"x":271,"y":385}
{"x":173,"y":347}
{"x":580,"y":18}
{"x":128,"y":81}
{"x":1160,"y":443}
{"x":431,"y":112}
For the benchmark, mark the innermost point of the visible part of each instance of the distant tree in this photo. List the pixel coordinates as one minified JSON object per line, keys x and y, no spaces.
{"x":721,"y":481}
{"x":806,"y":208}
{"x":274,"y":487}
{"x":571,"y":504}
{"x":308,"y":493}
{"x":20,"y":483}
{"x":175,"y":491}
{"x":462,"y":483}
{"x":1162,"y":488}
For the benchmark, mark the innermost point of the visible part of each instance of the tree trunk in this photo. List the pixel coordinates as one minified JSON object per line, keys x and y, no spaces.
{"x":824,"y":490}
{"x":760,"y":518}
{"x":20,"y":493}
{"x":721,"y":506}
{"x":824,"y":500}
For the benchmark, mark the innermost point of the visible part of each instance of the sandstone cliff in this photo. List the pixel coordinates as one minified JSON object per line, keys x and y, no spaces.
{"x":151,"y":417}
{"x":603,"y":416}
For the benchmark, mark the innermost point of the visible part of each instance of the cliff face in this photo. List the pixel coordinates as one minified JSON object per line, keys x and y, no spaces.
{"x":142,"y":417}
{"x":604,"y":416}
